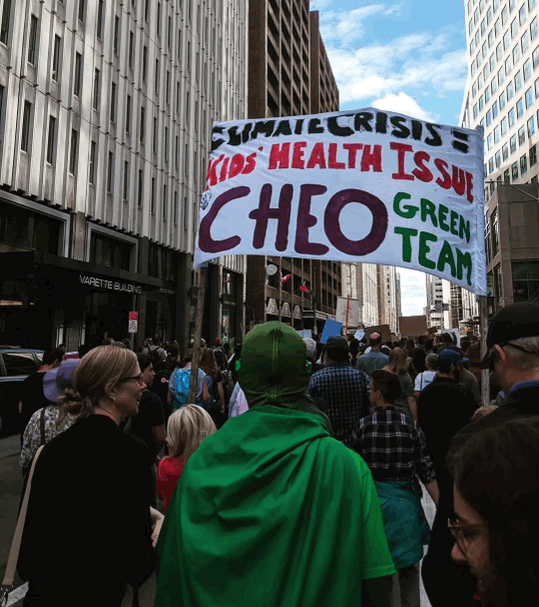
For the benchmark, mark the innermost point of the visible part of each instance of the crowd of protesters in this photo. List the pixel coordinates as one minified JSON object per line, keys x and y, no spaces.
{"x":294,"y":478}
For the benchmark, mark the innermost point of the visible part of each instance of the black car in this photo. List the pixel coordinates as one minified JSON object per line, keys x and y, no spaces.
{"x":15,"y":365}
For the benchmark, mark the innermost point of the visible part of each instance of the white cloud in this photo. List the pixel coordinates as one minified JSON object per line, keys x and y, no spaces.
{"x":413,"y":292}
{"x":402,"y":103}
{"x":419,"y":63}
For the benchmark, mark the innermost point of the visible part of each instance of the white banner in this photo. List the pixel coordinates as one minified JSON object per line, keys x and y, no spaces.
{"x":364,"y":186}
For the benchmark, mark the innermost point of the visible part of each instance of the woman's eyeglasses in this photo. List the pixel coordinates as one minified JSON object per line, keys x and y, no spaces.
{"x":137,"y":378}
{"x":464,"y":533}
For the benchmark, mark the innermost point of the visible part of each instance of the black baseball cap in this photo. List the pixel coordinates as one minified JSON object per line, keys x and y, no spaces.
{"x":512,"y":322}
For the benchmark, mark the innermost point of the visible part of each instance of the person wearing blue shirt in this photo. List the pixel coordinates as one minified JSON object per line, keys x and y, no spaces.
{"x":375,"y":359}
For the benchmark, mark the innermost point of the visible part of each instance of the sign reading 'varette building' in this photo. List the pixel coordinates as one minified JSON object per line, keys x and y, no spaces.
{"x":366,"y":186}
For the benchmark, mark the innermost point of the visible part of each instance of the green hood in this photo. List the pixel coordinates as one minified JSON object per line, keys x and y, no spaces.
{"x":274,"y":367}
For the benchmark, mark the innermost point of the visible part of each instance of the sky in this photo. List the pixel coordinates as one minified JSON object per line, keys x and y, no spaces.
{"x":406,"y":56}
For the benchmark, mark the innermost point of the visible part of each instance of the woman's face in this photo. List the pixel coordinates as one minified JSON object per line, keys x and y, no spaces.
{"x":129,"y":393}
{"x":472,"y":547}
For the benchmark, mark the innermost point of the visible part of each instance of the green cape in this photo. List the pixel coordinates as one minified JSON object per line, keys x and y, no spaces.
{"x":271,"y":511}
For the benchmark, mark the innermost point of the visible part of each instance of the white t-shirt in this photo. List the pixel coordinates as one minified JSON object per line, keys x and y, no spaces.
{"x":424,"y":379}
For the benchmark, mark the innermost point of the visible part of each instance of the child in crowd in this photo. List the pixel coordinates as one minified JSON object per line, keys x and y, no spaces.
{"x":186,"y":429}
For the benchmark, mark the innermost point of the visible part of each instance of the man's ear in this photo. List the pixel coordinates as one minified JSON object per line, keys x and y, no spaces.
{"x":502,"y":354}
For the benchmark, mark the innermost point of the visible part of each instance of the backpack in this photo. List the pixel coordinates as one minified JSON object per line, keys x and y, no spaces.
{"x":181,"y":388}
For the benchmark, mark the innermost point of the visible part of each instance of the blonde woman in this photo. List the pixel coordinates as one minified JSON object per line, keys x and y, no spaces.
{"x":88,"y":521}
{"x":398,"y":364}
{"x":186,"y":429}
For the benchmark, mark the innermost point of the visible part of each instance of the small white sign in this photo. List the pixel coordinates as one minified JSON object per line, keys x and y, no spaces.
{"x":133,"y":326}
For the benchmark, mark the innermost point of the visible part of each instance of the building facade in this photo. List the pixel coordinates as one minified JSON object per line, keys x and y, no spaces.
{"x":289,"y":75}
{"x":502,"y":95}
{"x":105,"y":119}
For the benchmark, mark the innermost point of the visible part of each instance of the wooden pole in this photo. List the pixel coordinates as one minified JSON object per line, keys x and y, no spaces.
{"x":485,"y":375}
{"x":201,"y":295}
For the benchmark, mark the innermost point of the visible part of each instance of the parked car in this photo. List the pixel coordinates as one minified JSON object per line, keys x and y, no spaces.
{"x":16,"y":364}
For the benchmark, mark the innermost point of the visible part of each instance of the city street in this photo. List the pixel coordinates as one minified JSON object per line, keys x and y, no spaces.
{"x":10,"y":490}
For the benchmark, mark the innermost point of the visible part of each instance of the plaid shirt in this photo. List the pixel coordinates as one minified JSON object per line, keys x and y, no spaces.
{"x":346,"y":392}
{"x":394,"y":446}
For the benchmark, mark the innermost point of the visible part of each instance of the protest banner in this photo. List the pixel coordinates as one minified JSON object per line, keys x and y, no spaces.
{"x":359,"y":186}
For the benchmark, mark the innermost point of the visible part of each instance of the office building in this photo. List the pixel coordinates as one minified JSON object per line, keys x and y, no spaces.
{"x":105,"y":123}
{"x":502,"y":94}
{"x":289,"y":75}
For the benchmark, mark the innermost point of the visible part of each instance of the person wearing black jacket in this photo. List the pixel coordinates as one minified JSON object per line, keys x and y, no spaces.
{"x":88,"y":526}
{"x":513,"y":356}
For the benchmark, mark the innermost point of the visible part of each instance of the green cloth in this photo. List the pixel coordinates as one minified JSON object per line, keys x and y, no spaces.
{"x":271,"y":511}
{"x":405,"y":523}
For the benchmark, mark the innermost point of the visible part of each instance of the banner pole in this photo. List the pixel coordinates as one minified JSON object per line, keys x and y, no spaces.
{"x":201,"y":294}
{"x":485,"y":375}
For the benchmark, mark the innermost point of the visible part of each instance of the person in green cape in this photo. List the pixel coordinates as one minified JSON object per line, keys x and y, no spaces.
{"x":272,"y":511}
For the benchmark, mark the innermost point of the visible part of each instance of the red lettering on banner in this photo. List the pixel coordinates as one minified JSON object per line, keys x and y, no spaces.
{"x":402,"y":149}
{"x":442,"y":165}
{"x":353,"y":149}
{"x":333,"y":162}
{"x":279,"y":156}
{"x":422,"y":172}
{"x":372,"y":159}
{"x":318,"y":157}
{"x":297,"y":155}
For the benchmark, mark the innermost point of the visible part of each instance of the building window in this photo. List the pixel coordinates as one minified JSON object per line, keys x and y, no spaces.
{"x":166,"y":144}
{"x":144,"y":63}
{"x":520,"y":108}
{"x":93,"y":161}
{"x":527,"y":70}
{"x":152,"y":199}
{"x":534,"y":29}
{"x":97,"y":77}
{"x":503,"y":100}
{"x":521,"y":135}
{"x":516,"y":54}
{"x":142,"y":129}
{"x":110,"y":252}
{"x":128,"y":115}
{"x":156,"y":84}
{"x":525,"y":42}
{"x":6,"y":22}
{"x":116,"y":39}
{"x":113,"y":102}
{"x":158,"y":24}
{"x":56,"y":59}
{"x":531,"y":127}
{"x":78,"y":75}
{"x":73,"y":151}
{"x":81,"y":10}
{"x":522,"y":14}
{"x":140,"y":187}
{"x":503,"y":126}
{"x":507,"y":176}
{"x":126,"y":181}
{"x":529,"y":98}
{"x":32,"y":40}
{"x":510,"y":91}
{"x":498,"y":159}
{"x":518,"y":81}
{"x":109,"y":172}
{"x":167,"y":89}
{"x":131,"y":44}
{"x":165,"y":201}
{"x":505,"y":152}
{"x":51,"y":140}
{"x":99,"y":31}
{"x":154,"y":142}
{"x":26,"y":118}
{"x":513,"y":144}
{"x":525,"y":279}
{"x":175,"y":209}
{"x":533,"y":155}
{"x":511,"y":116}
{"x":523,"y":165}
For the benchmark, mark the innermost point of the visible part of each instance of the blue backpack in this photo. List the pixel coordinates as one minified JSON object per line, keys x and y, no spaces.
{"x":181,"y":389}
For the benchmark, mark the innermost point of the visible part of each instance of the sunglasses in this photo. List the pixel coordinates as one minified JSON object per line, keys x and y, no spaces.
{"x":492,"y":355}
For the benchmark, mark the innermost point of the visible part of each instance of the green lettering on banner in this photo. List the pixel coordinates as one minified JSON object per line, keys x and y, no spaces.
{"x":406,"y":234}
{"x":464,"y":229}
{"x":446,"y":258}
{"x":464,"y":261}
{"x":407,"y":211}
{"x":454,"y":217}
{"x":428,"y":209}
{"x":424,"y":249}
{"x":442,"y":216}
